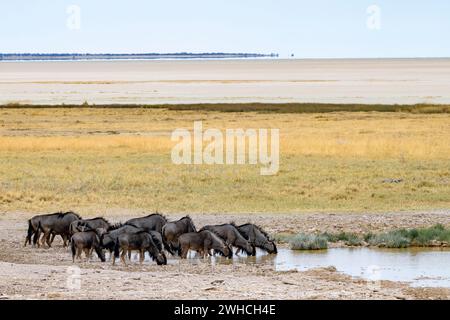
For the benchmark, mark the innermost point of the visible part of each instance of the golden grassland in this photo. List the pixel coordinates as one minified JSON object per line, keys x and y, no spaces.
{"x":92,"y":159}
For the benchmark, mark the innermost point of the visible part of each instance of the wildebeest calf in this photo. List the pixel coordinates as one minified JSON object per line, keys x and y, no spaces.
{"x":86,"y":241}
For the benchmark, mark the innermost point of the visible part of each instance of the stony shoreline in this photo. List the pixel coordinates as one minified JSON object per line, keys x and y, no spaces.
{"x":30,"y":273}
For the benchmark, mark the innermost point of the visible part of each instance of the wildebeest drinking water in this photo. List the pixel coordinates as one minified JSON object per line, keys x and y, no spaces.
{"x":50,"y":224}
{"x":231,"y":235}
{"x":172,"y":230}
{"x":203,"y":242}
{"x":257,"y":237}
{"x":93,"y":223}
{"x":141,"y":241}
{"x":86,"y":241}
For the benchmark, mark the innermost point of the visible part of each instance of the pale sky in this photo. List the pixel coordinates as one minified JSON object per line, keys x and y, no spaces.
{"x":309,"y":29}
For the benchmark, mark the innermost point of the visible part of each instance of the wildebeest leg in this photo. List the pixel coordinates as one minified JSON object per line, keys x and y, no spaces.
{"x":184,"y":252}
{"x":47,"y":239}
{"x":141,"y":256}
{"x":44,"y":235}
{"x":73,"y":253}
{"x":36,"y":238}
{"x":43,"y":238}
{"x":122,"y":256}
{"x":79,"y":250}
{"x":129,"y":254}
{"x":52,"y":238}
{"x":87,"y":253}
{"x":238,"y":250}
{"x":64,"y":238}
{"x":27,"y":239}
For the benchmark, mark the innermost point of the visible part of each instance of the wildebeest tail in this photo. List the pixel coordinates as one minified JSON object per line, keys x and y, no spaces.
{"x":29,"y":232}
{"x":167,"y":247}
{"x":116,"y":249}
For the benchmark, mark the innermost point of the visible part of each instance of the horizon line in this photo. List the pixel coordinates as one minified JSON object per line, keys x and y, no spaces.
{"x":287,"y":56}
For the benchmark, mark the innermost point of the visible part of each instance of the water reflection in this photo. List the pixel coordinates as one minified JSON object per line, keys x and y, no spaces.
{"x":420,"y":267}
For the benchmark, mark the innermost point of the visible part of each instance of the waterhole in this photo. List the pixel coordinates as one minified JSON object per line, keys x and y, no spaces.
{"x":421,"y":267}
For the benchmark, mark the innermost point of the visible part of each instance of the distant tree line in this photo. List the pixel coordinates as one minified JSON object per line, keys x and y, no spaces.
{"x":88,"y":56}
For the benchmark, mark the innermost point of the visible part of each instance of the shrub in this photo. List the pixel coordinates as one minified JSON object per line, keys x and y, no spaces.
{"x":424,"y":237}
{"x":308,"y":242}
{"x":392,"y":239}
{"x":350,"y":239}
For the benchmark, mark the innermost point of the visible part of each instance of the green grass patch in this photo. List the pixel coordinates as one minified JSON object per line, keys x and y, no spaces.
{"x":262,"y":107}
{"x":393,"y":239}
{"x":308,"y":242}
{"x":350,"y":239}
{"x":283,"y":237}
{"x":403,"y":238}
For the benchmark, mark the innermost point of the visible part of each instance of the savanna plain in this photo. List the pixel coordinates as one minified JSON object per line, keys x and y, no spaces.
{"x":339,"y":171}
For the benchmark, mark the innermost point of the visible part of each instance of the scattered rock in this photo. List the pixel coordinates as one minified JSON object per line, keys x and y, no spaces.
{"x":392,"y":180}
{"x":210,"y":288}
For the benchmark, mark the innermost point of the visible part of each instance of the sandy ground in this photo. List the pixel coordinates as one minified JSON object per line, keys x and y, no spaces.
{"x":277,"y":81}
{"x":31,"y":273}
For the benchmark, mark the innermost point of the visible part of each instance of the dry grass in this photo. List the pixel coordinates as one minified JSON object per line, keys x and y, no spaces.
{"x":92,"y":159}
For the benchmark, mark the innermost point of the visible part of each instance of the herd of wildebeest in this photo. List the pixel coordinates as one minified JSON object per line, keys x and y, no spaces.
{"x":153,"y":233}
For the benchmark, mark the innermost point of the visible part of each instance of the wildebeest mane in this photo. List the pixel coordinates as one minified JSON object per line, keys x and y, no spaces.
{"x":212,"y":231}
{"x":97,"y":218}
{"x":156,"y":214}
{"x":190,"y":220}
{"x":221,"y":225}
